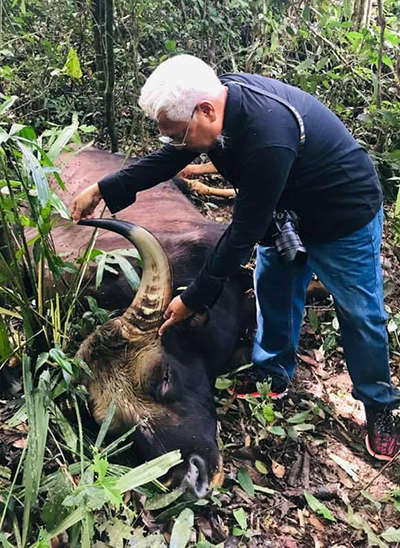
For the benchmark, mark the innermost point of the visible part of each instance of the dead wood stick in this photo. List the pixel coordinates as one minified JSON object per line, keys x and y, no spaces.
{"x":205,"y":190}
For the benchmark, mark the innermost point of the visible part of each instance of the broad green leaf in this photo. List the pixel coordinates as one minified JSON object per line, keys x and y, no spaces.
{"x":113,"y":495}
{"x":268,"y":412}
{"x":28,"y":132}
{"x":347,"y":8}
{"x":391,"y":535}
{"x":222,"y":383}
{"x":62,"y":140}
{"x":241,"y":517}
{"x":42,"y":358}
{"x":37,"y":173}
{"x":182,"y":529}
{"x":386,"y":60}
{"x":4,"y":136}
{"x":170,"y":45}
{"x":245,"y":481}
{"x":299,"y":417}
{"x":5,"y":472}
{"x":93,"y":497}
{"x":318,"y":507}
{"x":87,"y":129}
{"x":149,"y":471}
{"x":391,"y":37}
{"x":8,"y":103}
{"x":59,"y":206}
{"x":72,"y":66}
{"x":276,"y":430}
{"x":261,"y":467}
{"x":61,"y":359}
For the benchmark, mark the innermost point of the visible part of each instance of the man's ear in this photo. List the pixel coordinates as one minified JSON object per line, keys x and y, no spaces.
{"x":208,"y":110}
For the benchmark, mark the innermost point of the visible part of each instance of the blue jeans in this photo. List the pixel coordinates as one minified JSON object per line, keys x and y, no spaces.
{"x":350,"y":269}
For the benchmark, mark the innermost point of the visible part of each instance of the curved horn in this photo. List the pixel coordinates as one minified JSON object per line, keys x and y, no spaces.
{"x":154,"y":293}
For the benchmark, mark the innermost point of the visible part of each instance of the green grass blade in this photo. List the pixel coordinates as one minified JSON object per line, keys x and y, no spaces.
{"x":74,"y":517}
{"x":11,"y":313}
{"x":109,"y":450}
{"x":5,"y":346}
{"x":129,"y":272}
{"x":62,"y":140}
{"x":38,"y":421}
{"x":105,"y":425}
{"x":68,"y":433}
{"x":10,"y":492}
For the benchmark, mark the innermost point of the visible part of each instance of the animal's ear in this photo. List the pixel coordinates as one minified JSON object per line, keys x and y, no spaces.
{"x":107,"y":339}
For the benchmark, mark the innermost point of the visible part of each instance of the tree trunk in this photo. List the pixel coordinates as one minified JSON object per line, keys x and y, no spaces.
{"x":110,"y":73}
{"x":98,"y":34}
{"x":362,"y":13}
{"x":382,"y":24}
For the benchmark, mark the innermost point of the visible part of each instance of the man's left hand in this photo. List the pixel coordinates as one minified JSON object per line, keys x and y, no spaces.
{"x":175,"y":313}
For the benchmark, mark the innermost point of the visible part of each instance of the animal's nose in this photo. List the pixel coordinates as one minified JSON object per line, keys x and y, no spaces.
{"x":196,"y":480}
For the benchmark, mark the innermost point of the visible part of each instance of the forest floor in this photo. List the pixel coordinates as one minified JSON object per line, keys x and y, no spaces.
{"x":322,"y":452}
{"x":296,"y":471}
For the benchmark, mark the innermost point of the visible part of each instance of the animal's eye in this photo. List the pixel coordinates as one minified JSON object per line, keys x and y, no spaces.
{"x":169,"y":388}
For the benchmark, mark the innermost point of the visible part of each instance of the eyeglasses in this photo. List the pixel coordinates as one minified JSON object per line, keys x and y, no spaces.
{"x":166,"y":140}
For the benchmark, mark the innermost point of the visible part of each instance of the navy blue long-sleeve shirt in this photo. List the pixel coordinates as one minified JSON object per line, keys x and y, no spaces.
{"x":332,"y":185}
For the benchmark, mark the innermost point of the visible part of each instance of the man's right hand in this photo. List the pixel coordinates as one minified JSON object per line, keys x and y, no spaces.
{"x":85,"y":203}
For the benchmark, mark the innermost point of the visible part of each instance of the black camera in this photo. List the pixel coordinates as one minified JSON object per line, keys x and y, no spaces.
{"x":286,"y":240}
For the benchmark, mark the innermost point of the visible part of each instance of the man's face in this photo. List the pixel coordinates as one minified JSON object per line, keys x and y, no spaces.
{"x":200,"y":134}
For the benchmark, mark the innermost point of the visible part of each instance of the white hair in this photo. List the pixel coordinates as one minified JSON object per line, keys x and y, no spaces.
{"x":176,"y":87}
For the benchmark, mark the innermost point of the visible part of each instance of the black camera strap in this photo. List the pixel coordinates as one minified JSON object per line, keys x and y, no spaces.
{"x":285,"y":103}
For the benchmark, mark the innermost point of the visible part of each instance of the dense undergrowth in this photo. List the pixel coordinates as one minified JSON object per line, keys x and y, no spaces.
{"x":62,"y":476}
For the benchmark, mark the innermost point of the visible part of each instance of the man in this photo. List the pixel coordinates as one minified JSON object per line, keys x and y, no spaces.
{"x":284,"y":151}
